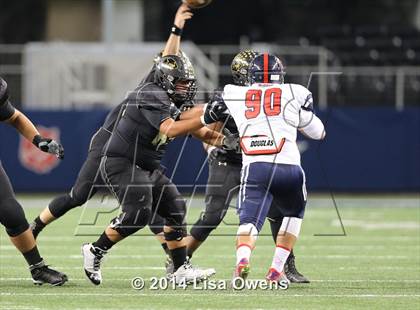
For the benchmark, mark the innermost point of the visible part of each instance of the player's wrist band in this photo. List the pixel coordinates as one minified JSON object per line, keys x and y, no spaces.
{"x":210,"y":149}
{"x":202,"y":119}
{"x":37,"y":139}
{"x":176,"y":30}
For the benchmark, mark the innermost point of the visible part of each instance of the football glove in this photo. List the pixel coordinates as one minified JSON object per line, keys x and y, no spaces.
{"x":214,"y":112}
{"x":231,"y":141}
{"x":217,"y":154}
{"x":49,"y":146}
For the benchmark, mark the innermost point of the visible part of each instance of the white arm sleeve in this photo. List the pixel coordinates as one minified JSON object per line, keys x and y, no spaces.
{"x":311,"y":125}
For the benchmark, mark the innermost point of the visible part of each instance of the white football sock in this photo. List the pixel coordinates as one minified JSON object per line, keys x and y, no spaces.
{"x":279,"y":259}
{"x":242,"y":251}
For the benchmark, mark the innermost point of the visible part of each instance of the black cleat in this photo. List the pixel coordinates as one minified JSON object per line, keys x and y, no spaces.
{"x":291,"y":272}
{"x":41,"y":274}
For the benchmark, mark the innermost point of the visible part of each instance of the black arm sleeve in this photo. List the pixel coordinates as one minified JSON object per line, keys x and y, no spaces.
{"x":6,"y":108}
{"x":6,"y":111}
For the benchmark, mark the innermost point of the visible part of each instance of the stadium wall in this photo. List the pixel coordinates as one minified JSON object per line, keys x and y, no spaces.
{"x":366,"y":149}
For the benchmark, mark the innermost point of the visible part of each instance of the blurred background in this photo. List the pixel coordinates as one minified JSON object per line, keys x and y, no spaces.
{"x":68,"y":62}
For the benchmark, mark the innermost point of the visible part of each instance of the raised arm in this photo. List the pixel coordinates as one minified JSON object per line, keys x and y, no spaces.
{"x":174,"y":40}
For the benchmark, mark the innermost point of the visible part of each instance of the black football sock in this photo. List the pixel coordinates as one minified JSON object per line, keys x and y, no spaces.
{"x":179,"y":256}
{"x":103,"y":243}
{"x":291,"y":255}
{"x":39,"y":226}
{"x":190,"y":253}
{"x":165,"y":248}
{"x":32,"y":256}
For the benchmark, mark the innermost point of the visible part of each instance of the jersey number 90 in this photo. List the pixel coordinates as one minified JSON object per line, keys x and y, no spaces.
{"x":271,"y":102}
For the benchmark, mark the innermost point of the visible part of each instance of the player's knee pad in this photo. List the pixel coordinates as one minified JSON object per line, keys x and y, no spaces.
{"x":215,"y":212}
{"x":156,"y":224}
{"x":128,"y":223}
{"x":291,"y":225}
{"x":64,"y":203}
{"x":207,"y":222}
{"x":204,"y":226}
{"x":248,"y":229}
{"x":176,"y":234}
{"x":200,"y":232}
{"x":176,"y":217}
{"x":16,"y":231}
{"x":13,"y":217}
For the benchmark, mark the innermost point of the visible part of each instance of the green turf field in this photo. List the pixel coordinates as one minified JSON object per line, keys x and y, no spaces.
{"x":377,"y":265}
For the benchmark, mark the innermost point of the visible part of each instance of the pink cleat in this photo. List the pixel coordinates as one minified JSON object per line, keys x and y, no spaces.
{"x":274,"y":276}
{"x":242,"y":269}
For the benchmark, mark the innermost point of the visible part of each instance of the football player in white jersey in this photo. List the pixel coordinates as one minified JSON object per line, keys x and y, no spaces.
{"x":268,"y":114}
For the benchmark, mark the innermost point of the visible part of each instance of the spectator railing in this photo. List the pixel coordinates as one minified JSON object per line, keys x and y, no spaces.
{"x":80,"y":76}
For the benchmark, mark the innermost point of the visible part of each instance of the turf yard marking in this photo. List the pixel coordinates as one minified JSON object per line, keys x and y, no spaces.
{"x":319,"y":281}
{"x":338,"y":256}
{"x":104,"y":268}
{"x":380,"y":268}
{"x":215,"y":293}
{"x":370,"y":225}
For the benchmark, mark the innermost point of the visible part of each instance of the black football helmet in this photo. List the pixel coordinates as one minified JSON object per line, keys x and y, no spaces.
{"x":240,"y":65}
{"x":176,"y":76}
{"x":266,"y":68}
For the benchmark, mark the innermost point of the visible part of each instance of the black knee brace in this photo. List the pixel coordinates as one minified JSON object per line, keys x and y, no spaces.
{"x":176,"y":234}
{"x":174,"y":213}
{"x":62,"y":204}
{"x":210,"y":219}
{"x":128,"y":223}
{"x":13,"y":217}
{"x":156,"y":224}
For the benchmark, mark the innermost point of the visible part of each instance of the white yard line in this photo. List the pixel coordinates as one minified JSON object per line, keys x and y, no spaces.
{"x":212,"y":293}
{"x":377,"y":225}
{"x":128,"y":256}
{"x":317,"y":281}
{"x":104,"y":268}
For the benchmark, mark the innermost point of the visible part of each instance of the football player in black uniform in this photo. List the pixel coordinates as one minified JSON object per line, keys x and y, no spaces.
{"x":224,"y":180}
{"x":130,"y":166}
{"x":89,"y":180}
{"x":11,"y":213}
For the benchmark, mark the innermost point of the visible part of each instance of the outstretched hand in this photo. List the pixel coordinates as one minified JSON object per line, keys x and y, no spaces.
{"x":49,"y":146}
{"x":183,"y":14}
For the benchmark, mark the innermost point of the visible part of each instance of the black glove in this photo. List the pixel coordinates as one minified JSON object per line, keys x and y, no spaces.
{"x":231,"y":142}
{"x":49,"y":146}
{"x":218,"y":154}
{"x":215,"y":111}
